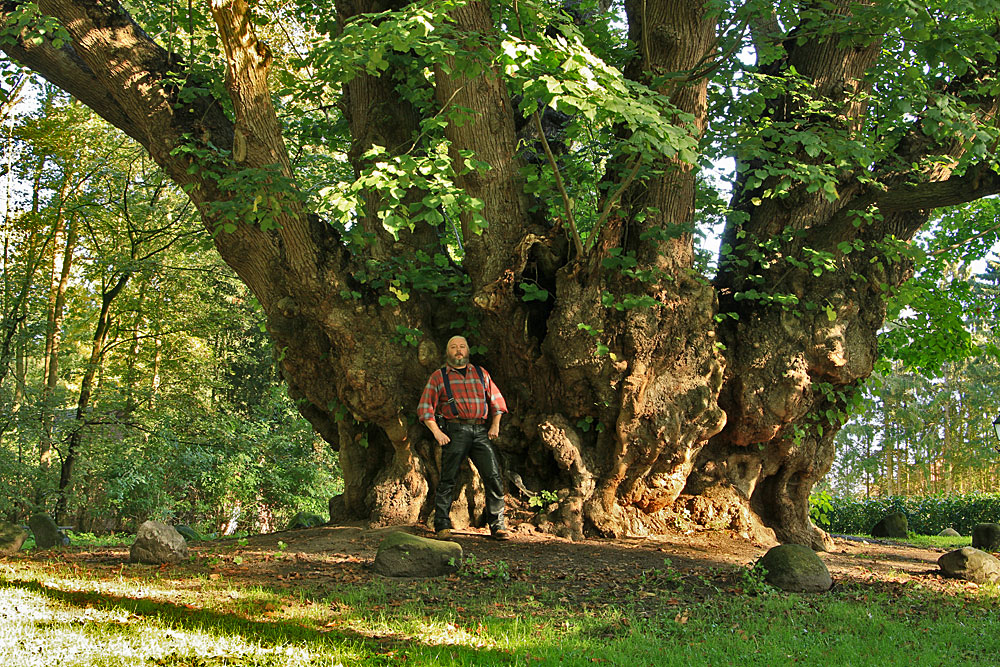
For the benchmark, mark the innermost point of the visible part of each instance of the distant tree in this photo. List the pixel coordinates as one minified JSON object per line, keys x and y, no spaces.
{"x":926,"y":427}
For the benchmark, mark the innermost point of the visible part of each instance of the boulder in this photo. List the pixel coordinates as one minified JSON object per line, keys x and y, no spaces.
{"x":949,"y":532}
{"x":337,"y":508}
{"x":11,"y":538}
{"x":401,"y":554}
{"x":971,"y":564}
{"x":305,"y":520}
{"x":157,"y":543}
{"x":45,"y":530}
{"x":892,"y":525}
{"x":188,"y":533}
{"x":796,"y":568}
{"x":986,"y":536}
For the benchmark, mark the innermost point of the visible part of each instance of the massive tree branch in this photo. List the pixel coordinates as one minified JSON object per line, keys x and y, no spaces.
{"x":104,"y":33}
{"x":257,"y":137}
{"x":972,"y":185}
{"x":489,"y":133}
{"x":64,"y":68}
{"x":380,"y":116}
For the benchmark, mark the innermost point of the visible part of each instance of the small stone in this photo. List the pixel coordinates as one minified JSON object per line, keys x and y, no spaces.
{"x":11,"y":538}
{"x":157,"y":543}
{"x":949,"y":532}
{"x":795,"y":568}
{"x":188,"y":533}
{"x":892,"y":525}
{"x":45,"y":530}
{"x":402,"y":554}
{"x":305,"y":520}
{"x":970,"y":564}
{"x":986,"y":536}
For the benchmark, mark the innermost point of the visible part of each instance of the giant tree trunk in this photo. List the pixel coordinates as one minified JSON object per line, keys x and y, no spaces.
{"x":627,"y":399}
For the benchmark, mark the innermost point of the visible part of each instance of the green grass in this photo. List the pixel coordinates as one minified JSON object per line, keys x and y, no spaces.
{"x":55,"y":610}
{"x":924,"y":541}
{"x":87,"y":539}
{"x":936,"y":541}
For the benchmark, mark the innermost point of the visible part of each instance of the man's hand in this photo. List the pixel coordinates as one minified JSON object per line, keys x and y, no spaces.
{"x":494,"y":431}
{"x":439,"y":435}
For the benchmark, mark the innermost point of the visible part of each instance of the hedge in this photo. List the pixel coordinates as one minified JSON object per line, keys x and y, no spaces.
{"x":927,"y":515}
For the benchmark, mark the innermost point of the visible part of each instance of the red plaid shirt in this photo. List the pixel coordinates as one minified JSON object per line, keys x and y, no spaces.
{"x":470,"y":397}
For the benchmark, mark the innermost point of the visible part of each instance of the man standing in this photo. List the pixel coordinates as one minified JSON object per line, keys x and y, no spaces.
{"x":470,"y":405}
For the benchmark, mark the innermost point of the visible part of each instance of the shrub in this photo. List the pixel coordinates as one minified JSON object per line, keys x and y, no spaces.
{"x":927,"y":515}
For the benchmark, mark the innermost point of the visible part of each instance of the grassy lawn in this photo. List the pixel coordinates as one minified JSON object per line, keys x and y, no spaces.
{"x":925,"y":541}
{"x":56,"y":609}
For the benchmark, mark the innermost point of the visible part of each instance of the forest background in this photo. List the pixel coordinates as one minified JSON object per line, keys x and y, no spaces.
{"x":137,"y":380}
{"x":125,"y":333}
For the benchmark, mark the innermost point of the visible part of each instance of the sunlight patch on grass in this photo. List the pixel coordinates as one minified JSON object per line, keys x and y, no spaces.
{"x":38,"y":631}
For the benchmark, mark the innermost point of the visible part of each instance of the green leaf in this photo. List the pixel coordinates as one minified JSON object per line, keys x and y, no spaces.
{"x":533,"y":292}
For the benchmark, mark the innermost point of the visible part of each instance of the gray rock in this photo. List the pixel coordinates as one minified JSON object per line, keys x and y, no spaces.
{"x":796,"y":568}
{"x":45,"y":530}
{"x":305,"y":520}
{"x":11,"y":538}
{"x":893,"y":525}
{"x":971,"y":564}
{"x":986,"y":536}
{"x":338,"y":509}
{"x":949,"y":532}
{"x":188,"y":533}
{"x":158,"y":543}
{"x":401,"y":554}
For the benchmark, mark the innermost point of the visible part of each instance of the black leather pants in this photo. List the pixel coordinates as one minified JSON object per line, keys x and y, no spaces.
{"x":469,"y":441}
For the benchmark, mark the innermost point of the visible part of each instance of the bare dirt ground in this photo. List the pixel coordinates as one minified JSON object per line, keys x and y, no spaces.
{"x":580,"y":567}
{"x":697,"y":551}
{"x":590,"y":572}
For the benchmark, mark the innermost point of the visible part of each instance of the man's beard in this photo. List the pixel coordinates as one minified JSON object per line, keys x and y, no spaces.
{"x":457,"y":362}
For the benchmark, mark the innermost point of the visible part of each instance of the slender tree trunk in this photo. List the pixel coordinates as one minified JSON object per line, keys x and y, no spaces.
{"x":86,"y":388}
{"x":889,"y":446}
{"x":156,"y":360}
{"x":154,"y":379}
{"x":20,"y":371}
{"x":944,"y":457}
{"x":62,"y":261}
{"x":17,"y":352}
{"x":132,"y":360}
{"x":868,"y":476}
{"x":13,"y":309}
{"x":58,"y":239}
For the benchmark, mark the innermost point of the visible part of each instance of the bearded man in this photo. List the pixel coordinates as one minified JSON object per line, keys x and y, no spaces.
{"x":469,"y":404}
